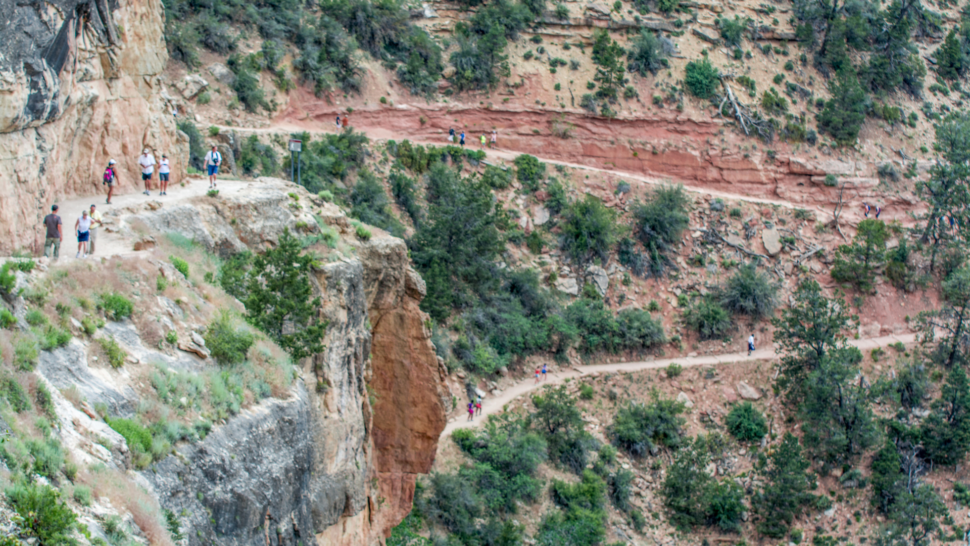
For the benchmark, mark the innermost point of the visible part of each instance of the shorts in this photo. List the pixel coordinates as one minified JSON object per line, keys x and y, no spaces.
{"x":163,"y":177}
{"x":213,"y":170}
{"x":82,"y":236}
{"x":750,"y":346}
{"x":146,"y":176}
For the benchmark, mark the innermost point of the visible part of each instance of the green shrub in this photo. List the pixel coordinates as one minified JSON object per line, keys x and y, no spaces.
{"x":585,"y":392}
{"x":8,"y":280}
{"x":372,"y":206}
{"x":136,"y":436}
{"x":732,"y":30}
{"x":659,"y":223}
{"x":116,"y":307}
{"x":180,"y":265}
{"x":44,"y":515}
{"x":227,"y":343}
{"x":749,"y":292}
{"x":52,"y":337}
{"x":773,"y":103}
{"x":14,"y":394}
{"x":708,"y":318}
{"x":530,"y":172}
{"x":115,"y":354}
{"x":673,"y":370}
{"x":701,"y":79}
{"x":82,"y":495}
{"x":646,"y":54}
{"x":693,"y":497}
{"x":746,"y":423}
{"x":256,"y":158}
{"x":405,"y":194}
{"x":328,"y":159}
{"x":247,"y":88}
{"x":36,"y":317}
{"x":48,"y":457}
{"x":7,"y":319}
{"x":640,"y":429}
{"x":844,"y":113}
{"x":363,"y":233}
{"x":25,"y":353}
{"x":588,"y":230}
{"x":859,"y":262}
{"x":621,"y":486}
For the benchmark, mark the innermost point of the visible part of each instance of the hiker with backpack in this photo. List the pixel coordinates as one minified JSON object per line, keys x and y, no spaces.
{"x":212,"y":161}
{"x":109,"y":178}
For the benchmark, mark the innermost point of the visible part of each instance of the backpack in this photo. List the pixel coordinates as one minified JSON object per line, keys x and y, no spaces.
{"x":217,"y":158}
{"x":109,"y":175}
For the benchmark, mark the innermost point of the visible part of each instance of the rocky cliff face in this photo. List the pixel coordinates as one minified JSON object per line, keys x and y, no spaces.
{"x":335,"y":463}
{"x":79,"y":84}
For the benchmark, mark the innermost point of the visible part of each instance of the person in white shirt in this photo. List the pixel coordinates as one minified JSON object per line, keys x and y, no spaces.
{"x":750,"y":344}
{"x":96,"y":222}
{"x":163,"y":172}
{"x":83,"y":230}
{"x":147,"y":162}
{"x":212,"y":161}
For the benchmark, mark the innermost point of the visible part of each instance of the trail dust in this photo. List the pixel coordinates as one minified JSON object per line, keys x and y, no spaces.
{"x":491,"y":406}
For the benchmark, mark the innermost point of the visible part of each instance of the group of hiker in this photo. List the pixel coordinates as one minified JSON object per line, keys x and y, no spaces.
{"x":85,"y":229}
{"x":492,"y":141}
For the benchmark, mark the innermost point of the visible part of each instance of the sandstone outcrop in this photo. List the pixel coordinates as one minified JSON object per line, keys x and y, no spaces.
{"x":79,"y":84}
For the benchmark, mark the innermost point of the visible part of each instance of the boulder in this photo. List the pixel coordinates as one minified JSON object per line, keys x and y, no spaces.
{"x":685,"y":400}
{"x":747,"y":392}
{"x":772,"y":241}
{"x":448,"y":72}
{"x":145,"y":243}
{"x":222,"y":73}
{"x":540,"y":215}
{"x":597,"y":275}
{"x":567,"y":285}
{"x":191,"y":85}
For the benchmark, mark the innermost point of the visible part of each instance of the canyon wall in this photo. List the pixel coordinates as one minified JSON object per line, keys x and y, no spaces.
{"x":79,"y":84}
{"x":336,"y":462}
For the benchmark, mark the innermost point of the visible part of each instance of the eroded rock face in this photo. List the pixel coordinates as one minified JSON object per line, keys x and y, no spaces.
{"x":337,"y":470}
{"x":79,"y":85}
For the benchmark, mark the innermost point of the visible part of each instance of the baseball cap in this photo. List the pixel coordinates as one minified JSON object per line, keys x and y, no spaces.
{"x":111,"y":162}
{"x":146,"y":151}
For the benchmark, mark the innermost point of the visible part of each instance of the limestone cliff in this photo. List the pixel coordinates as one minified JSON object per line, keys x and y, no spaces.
{"x":79,"y":84}
{"x":336,"y":462}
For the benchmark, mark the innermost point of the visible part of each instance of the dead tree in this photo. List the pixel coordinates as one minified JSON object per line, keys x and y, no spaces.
{"x":749,"y":120}
{"x":838,"y":212}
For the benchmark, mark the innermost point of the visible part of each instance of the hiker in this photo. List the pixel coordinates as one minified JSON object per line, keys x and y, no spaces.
{"x":750,"y":344}
{"x":483,"y":141}
{"x":478,"y":406}
{"x":96,"y":222}
{"x":462,"y":141}
{"x":147,"y":162}
{"x":212,"y":160}
{"x":164,"y":169}
{"x":338,"y":122}
{"x":878,"y":211}
{"x":451,"y":135}
{"x":110,"y":177}
{"x":346,"y":122}
{"x":537,"y":377}
{"x":54,"y":233}
{"x":83,"y":230}
{"x":471,"y":411}
{"x":866,"y":208}
{"x":544,"y":376}
{"x":492,"y":144}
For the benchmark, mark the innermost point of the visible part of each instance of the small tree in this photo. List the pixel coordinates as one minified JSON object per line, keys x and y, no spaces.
{"x":588,"y":230}
{"x":947,"y":191}
{"x":787,"y":488}
{"x":640,"y":429}
{"x":659,"y":224}
{"x":646,"y":54}
{"x":886,"y":473}
{"x":951,"y":61}
{"x":945,"y":433}
{"x":858,"y":263}
{"x":701,"y":79}
{"x":915,"y":516}
{"x":694,"y":497}
{"x":708,"y":318}
{"x":844,"y":113}
{"x":746,"y":423}
{"x":608,"y":56}
{"x":952,"y":320}
{"x":280,"y":299}
{"x":749,"y":292}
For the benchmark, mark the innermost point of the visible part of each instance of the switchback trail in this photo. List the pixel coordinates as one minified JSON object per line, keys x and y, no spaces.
{"x":491,"y":406}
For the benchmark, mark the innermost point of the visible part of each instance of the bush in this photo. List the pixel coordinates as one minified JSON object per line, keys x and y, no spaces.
{"x":621,"y":486}
{"x":732,"y":30}
{"x":116,"y":355}
{"x":701,"y":79}
{"x":530,"y":172}
{"x":773,"y":103}
{"x":405,"y":194}
{"x":372,"y":206}
{"x":497,"y":178}
{"x":8,"y":279}
{"x":858,"y":263}
{"x":585,"y":392}
{"x":646,"y":53}
{"x":256,"y":158}
{"x":640,"y":429}
{"x":7,"y":319}
{"x":180,"y":265}
{"x":746,"y":423}
{"x":136,"y":436}
{"x":659,"y":223}
{"x":227,"y":343}
{"x":694,"y":497}
{"x":44,"y":515}
{"x":116,"y":307}
{"x":673,"y":370}
{"x":749,"y":292}
{"x":706,"y":317}
{"x":844,"y":113}
{"x":588,"y":229}
{"x":48,"y":457}
{"x":52,"y":337}
{"x":329,"y":159}
{"x":14,"y":394}
{"x":196,"y":144}
{"x":248,"y":90}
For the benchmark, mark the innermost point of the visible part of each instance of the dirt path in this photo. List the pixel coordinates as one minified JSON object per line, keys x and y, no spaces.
{"x":495,"y":405}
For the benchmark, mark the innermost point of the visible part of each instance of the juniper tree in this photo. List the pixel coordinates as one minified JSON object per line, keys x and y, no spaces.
{"x":787,"y":487}
{"x":952,"y":320}
{"x":858,"y":262}
{"x":947,"y":192}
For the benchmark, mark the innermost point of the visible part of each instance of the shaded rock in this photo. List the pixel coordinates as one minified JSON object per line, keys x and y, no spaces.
{"x":67,"y":366}
{"x":190,"y":347}
{"x":191,"y":85}
{"x":772,"y":241}
{"x":222,"y":73}
{"x":747,"y":392}
{"x":540,"y":215}
{"x":567,"y":285}
{"x":685,"y":400}
{"x":145,"y":243}
{"x":597,"y":275}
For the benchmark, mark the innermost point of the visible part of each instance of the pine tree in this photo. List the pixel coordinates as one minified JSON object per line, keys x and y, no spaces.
{"x":951,"y":63}
{"x":857,"y":263}
{"x":280,"y":299}
{"x":886,"y":472}
{"x":947,"y":192}
{"x":844,"y":113}
{"x":786,"y":490}
{"x":915,"y":516}
{"x":945,"y":433}
{"x":952,"y":320}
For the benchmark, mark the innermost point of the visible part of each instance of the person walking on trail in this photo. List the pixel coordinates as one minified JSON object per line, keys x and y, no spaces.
{"x":338,"y":122}
{"x":83,"y":230}
{"x":471,"y":411}
{"x":478,"y":406}
{"x":544,"y":376}
{"x":164,"y":170}
{"x":537,"y":377}
{"x":878,"y":211}
{"x":750,"y":344}
{"x":147,"y":162}
{"x":451,"y":135}
{"x":483,"y":141}
{"x":491,"y":143}
{"x":96,"y":222}
{"x":462,"y":141}
{"x":866,"y":208}
{"x":54,"y":234}
{"x":110,"y":177}
{"x":212,"y":161}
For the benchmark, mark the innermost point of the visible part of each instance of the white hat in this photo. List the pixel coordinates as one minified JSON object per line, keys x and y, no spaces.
{"x":111,"y":162}
{"x":146,"y":151}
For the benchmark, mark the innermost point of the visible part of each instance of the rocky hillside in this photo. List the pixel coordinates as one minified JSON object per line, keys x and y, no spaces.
{"x":257,"y":449}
